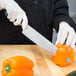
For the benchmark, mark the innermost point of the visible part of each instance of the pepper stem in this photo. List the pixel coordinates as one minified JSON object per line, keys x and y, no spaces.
{"x":7,"y":68}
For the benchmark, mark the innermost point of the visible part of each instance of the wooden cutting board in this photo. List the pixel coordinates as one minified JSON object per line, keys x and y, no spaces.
{"x":42,"y":59}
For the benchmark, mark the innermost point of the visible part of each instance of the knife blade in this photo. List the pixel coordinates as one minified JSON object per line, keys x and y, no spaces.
{"x":40,"y":40}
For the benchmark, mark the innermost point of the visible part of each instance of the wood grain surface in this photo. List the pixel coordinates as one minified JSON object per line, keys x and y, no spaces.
{"x":43,"y":65}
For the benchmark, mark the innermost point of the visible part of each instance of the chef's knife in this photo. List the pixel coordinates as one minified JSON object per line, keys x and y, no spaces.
{"x":38,"y":39}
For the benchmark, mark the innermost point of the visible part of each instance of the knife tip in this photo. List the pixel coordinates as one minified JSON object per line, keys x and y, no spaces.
{"x":68,"y":60}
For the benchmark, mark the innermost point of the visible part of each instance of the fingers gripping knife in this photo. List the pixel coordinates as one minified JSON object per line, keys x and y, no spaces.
{"x":40,"y":40}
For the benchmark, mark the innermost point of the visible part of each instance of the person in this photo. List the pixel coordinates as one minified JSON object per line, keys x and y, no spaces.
{"x":43,"y":15}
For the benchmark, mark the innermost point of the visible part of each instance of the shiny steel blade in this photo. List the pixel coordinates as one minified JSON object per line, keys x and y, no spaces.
{"x":40,"y":40}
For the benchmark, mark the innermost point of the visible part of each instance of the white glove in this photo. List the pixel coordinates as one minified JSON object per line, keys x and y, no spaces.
{"x":66,"y":32}
{"x":15,"y":13}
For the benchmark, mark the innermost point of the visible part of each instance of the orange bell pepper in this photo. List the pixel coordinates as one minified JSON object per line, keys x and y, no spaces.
{"x":18,"y":66}
{"x":62,"y":54}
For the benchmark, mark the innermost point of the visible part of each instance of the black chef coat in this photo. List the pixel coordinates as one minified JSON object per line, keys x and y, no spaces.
{"x":43,"y":15}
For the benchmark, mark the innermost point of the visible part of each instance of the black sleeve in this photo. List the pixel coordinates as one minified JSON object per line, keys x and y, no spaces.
{"x":61,"y":13}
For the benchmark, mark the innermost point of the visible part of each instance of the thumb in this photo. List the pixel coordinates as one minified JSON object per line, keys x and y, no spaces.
{"x":24,"y":23}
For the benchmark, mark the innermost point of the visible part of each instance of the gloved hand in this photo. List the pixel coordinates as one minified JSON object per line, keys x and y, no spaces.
{"x":66,"y":32}
{"x":15,"y":12}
